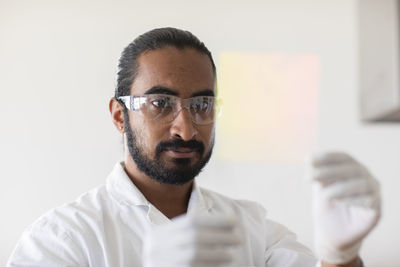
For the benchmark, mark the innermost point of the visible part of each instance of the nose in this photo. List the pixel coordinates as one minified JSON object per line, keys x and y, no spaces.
{"x":182,"y":126}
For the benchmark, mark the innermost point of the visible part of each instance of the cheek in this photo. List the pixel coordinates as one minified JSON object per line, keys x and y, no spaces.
{"x":149,"y":135}
{"x":139,"y":130}
{"x":207,"y":133}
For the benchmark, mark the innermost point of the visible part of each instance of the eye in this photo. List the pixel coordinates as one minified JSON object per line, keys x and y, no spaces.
{"x":202,"y":103}
{"x":205,"y":103}
{"x":161,"y":102}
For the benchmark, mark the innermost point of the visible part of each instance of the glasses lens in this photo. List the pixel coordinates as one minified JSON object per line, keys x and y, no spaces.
{"x":158,"y":107}
{"x":202,"y":109}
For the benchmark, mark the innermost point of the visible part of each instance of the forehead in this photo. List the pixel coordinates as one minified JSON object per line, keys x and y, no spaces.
{"x":184,"y":71}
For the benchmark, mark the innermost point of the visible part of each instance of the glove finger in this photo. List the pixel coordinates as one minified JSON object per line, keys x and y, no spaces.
{"x":189,"y":253}
{"x":207,"y":257}
{"x":348,"y":188}
{"x":371,"y":201}
{"x":331,"y":158}
{"x":219,"y":238}
{"x":215,"y":255}
{"x":222,"y":222}
{"x":203,"y":255}
{"x":205,"y":237}
{"x":327,"y":175}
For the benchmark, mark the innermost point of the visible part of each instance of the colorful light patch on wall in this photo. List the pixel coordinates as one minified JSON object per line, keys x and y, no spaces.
{"x":269,"y":106}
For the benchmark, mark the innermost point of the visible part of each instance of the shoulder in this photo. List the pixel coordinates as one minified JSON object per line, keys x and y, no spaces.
{"x":58,"y":238}
{"x":76,"y":216}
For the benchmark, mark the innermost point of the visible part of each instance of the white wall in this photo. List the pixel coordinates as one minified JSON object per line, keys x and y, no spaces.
{"x":57,"y":66}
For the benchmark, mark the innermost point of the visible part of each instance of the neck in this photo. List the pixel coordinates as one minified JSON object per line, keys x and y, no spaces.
{"x":171,"y":200}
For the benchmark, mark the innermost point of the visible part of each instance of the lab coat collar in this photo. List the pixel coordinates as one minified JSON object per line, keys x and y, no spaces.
{"x":198,"y":202}
{"x":125,"y":192}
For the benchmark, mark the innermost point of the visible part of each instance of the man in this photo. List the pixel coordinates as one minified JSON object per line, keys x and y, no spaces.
{"x":151,"y":212}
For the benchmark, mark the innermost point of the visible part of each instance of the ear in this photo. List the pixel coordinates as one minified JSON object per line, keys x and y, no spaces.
{"x":117,"y":114}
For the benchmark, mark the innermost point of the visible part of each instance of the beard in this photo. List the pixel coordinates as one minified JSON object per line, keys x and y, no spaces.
{"x":181,"y":173}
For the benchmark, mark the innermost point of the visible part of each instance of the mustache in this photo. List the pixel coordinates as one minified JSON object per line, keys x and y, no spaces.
{"x":179,"y":143}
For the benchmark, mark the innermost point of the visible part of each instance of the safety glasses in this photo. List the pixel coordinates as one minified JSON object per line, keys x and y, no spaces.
{"x":165,"y":108}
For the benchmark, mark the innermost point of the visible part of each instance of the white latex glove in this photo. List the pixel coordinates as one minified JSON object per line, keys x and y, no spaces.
{"x":346,"y":202}
{"x":192,"y":241}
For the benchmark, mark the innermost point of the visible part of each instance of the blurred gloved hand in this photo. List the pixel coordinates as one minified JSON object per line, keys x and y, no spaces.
{"x":192,"y":241}
{"x":346,"y":206}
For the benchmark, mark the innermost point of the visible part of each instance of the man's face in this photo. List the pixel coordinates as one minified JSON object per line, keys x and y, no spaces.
{"x":174,"y":152}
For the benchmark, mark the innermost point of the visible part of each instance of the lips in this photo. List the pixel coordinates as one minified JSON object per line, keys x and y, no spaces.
{"x":181,"y":152}
{"x":178,"y":148}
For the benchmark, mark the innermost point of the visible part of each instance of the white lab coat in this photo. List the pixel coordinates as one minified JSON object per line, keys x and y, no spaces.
{"x":105,"y":227}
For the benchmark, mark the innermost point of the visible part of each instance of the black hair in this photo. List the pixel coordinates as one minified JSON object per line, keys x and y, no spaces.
{"x":152,"y":40}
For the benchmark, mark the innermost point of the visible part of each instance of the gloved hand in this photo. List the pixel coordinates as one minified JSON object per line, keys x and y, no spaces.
{"x":346,"y":202}
{"x":192,"y":241}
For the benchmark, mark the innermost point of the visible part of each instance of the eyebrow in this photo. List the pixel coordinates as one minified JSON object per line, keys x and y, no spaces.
{"x":206,"y":92}
{"x":158,"y":89}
